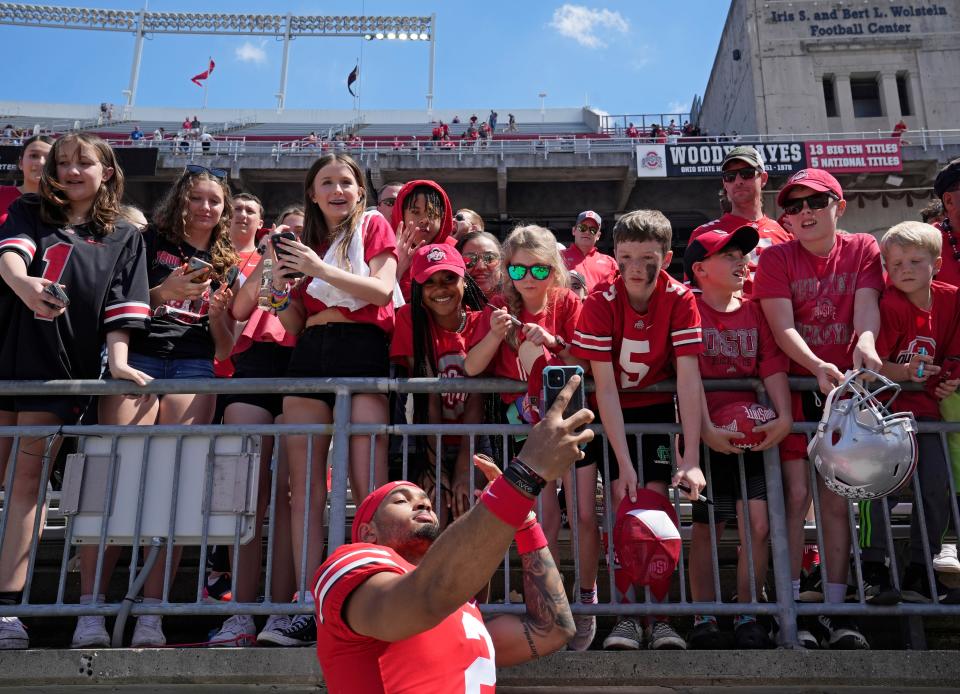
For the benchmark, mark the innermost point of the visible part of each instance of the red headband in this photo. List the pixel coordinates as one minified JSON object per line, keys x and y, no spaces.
{"x":369,"y":506}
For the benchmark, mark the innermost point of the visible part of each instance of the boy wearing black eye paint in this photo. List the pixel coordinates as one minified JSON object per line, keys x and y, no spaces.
{"x":643,"y":329}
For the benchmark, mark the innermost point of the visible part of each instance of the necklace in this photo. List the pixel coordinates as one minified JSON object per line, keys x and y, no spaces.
{"x":463,"y":321}
{"x":947,"y":227}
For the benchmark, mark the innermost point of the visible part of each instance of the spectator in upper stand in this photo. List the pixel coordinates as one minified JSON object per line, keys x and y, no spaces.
{"x":492,"y":121}
{"x":687,"y":129}
{"x":421,"y":215}
{"x":158,"y":134}
{"x":898,"y":130}
{"x":436,"y":133}
{"x":744,"y":176}
{"x":456,"y":120}
{"x":137,"y":134}
{"x":632,"y":131}
{"x":481,"y":254}
{"x":655,"y":131}
{"x":932,"y":213}
{"x":205,"y":140}
{"x":473,"y":120}
{"x":444,"y":130}
{"x":511,"y":123}
{"x":9,"y":132}
{"x":465,"y":221}
{"x":672,"y":127}
{"x":947,"y":188}
{"x":195,"y":125}
{"x":311,"y":139}
{"x":582,"y":255}
{"x":483,"y":132}
{"x":186,"y":124}
{"x":387,"y":197}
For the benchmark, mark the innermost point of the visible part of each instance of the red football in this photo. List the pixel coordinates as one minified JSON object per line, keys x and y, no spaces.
{"x":743,"y":417}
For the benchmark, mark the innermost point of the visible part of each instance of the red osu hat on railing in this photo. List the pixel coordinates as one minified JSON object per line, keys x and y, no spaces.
{"x":647,"y":542}
{"x":369,"y":506}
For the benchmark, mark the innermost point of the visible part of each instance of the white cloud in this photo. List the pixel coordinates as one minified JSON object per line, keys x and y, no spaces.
{"x":251,"y":53}
{"x":581,"y":23}
{"x":678,"y":107}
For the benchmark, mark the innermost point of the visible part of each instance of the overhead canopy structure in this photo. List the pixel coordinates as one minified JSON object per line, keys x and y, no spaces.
{"x":286,"y":27}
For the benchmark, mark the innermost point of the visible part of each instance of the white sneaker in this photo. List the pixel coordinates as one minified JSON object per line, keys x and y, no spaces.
{"x":13,"y":635}
{"x":238,"y":631}
{"x":148,"y":632}
{"x":271,"y":630}
{"x":946,"y":562}
{"x":91,"y":632}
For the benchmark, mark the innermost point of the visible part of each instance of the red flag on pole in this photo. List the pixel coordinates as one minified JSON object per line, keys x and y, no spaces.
{"x":196,"y":79}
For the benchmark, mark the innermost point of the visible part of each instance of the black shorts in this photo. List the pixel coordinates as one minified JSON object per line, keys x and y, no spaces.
{"x":68,"y":408}
{"x":724,"y":485}
{"x":339,"y":350}
{"x":261,"y":360}
{"x":656,"y":450}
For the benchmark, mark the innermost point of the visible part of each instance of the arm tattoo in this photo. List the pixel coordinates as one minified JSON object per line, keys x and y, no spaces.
{"x":546,"y":600}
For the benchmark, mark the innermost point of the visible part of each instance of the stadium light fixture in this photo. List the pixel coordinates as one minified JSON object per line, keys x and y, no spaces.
{"x":402,"y":36}
{"x":391,"y":35}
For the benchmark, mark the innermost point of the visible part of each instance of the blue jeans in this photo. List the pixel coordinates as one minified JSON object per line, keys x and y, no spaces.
{"x":157,"y":367}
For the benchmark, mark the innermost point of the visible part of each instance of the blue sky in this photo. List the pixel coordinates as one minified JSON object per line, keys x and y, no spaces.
{"x":622,"y":57}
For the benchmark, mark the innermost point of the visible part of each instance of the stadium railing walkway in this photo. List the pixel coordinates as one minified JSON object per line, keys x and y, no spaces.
{"x":214,"y":470}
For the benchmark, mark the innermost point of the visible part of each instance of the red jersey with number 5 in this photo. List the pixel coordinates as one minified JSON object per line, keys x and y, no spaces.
{"x":642,"y":346}
{"x":454,"y":657}
{"x":105,"y":278}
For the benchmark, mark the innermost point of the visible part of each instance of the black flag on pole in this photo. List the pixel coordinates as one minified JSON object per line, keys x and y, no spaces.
{"x":353,"y":77}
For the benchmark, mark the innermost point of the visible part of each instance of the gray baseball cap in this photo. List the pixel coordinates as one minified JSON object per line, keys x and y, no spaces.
{"x":746,"y":154}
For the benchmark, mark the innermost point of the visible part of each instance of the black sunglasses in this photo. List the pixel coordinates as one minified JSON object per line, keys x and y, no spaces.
{"x":745,"y":174}
{"x":587,"y":229}
{"x":216,"y":173}
{"x":815,"y":202}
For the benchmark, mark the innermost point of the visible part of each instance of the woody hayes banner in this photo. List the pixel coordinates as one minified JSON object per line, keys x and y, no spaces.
{"x":704,"y":158}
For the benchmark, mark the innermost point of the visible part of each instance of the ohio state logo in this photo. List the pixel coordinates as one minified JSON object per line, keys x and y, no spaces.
{"x":799,"y":176}
{"x":652,"y":160}
{"x":436,"y":255}
{"x":825,"y":310}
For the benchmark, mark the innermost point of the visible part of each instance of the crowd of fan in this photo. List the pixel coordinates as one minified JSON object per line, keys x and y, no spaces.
{"x":405,"y":283}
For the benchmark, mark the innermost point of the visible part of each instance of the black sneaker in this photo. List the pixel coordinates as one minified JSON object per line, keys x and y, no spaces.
{"x":300,"y":631}
{"x":916,"y":587}
{"x":706,"y":636}
{"x":840,"y":633}
{"x":806,"y":628}
{"x":877,"y":588}
{"x":751,"y":635}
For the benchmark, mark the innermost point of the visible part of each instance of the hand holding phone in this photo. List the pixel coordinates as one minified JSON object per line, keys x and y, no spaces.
{"x":56,"y":291}
{"x":279,"y":250}
{"x":554,"y":379}
{"x":195,"y":264}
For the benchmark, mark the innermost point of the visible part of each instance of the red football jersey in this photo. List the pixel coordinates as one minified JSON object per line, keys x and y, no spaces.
{"x":596,"y":267}
{"x":737,"y":344}
{"x":905,"y":328}
{"x":449,"y":348}
{"x":641,"y":346}
{"x":559,"y":318}
{"x":770,"y":233}
{"x":821,"y":289}
{"x":455,"y":657}
{"x":950,"y":270}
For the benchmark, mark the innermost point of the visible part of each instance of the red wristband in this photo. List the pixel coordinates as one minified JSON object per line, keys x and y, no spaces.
{"x":530,"y":538}
{"x":506,"y":502}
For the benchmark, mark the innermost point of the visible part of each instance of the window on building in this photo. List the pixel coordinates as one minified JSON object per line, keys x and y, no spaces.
{"x":865,"y":92}
{"x":830,"y":96}
{"x":904,"y":94}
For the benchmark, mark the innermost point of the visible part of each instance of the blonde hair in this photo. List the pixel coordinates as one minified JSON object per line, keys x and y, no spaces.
{"x":541,"y":244}
{"x":471,"y":217}
{"x":917,"y":234}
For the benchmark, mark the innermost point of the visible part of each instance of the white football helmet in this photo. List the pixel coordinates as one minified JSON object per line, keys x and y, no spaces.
{"x":861,"y":450}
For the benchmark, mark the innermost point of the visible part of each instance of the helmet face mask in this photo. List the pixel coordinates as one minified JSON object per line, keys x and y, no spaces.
{"x":861,"y":450}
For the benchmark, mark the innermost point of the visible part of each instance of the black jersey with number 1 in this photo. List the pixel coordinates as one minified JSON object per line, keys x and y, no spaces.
{"x":105,"y":278}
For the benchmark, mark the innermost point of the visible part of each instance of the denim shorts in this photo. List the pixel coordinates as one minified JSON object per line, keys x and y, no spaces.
{"x":158,"y":367}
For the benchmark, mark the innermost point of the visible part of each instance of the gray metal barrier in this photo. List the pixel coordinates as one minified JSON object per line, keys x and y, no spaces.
{"x":780,"y":604}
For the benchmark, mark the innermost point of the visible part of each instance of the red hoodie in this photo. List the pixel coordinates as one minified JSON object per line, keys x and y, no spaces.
{"x":446,"y":224}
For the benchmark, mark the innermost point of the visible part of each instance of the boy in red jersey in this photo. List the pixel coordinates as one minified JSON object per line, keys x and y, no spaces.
{"x":820,"y":295}
{"x":737,"y":344}
{"x":918,"y":318}
{"x":643,"y":329}
{"x":394,"y":608}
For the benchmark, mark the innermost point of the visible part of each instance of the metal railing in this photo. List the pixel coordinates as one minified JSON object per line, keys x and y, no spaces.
{"x":779,"y":603}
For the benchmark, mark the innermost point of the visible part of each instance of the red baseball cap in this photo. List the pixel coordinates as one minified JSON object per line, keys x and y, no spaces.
{"x":369,"y":506}
{"x":589,"y":214}
{"x":814,"y":179}
{"x":647,"y":541}
{"x":434,"y":258}
{"x":711,"y":242}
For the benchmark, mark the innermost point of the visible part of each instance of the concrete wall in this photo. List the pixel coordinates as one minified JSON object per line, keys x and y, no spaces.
{"x":796,"y":43}
{"x":729,"y":102}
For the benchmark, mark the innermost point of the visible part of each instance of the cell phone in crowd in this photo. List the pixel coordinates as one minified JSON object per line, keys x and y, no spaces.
{"x":275,"y":239}
{"x":554,"y":380}
{"x":195,"y":264}
{"x":55,"y":290}
{"x":231,"y":276}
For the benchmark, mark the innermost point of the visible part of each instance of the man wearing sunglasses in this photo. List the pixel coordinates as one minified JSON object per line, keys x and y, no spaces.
{"x":743,"y":177}
{"x":582,"y":255}
{"x":947,"y":188}
{"x":386,"y":197}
